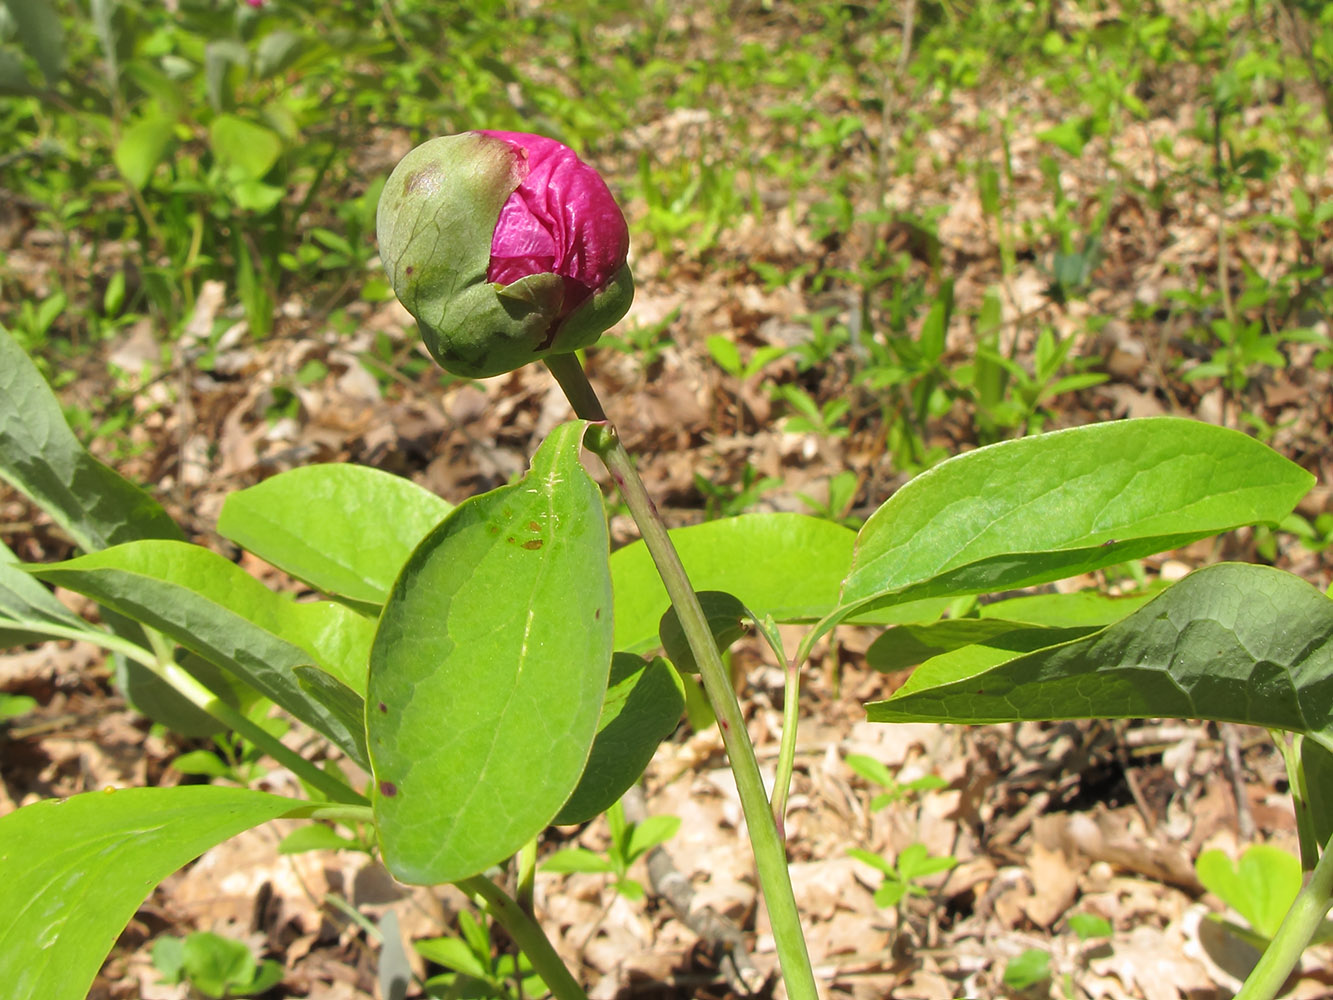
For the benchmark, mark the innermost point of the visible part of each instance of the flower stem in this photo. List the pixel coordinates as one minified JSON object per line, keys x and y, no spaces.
{"x":791,"y":694}
{"x":528,"y":935}
{"x":769,"y":851}
{"x":1298,"y":928}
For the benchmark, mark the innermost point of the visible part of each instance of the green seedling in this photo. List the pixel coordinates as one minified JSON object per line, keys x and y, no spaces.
{"x":842,"y":489}
{"x":903,"y":877}
{"x":476,"y":972}
{"x":727,"y":500}
{"x":1033,"y":966}
{"x":214,"y":966}
{"x":811,"y":417}
{"x":895,"y":791}
{"x":236,"y":759}
{"x":727,"y":355}
{"x":1261,"y":887}
{"x":644,"y":342}
{"x":629,"y":842}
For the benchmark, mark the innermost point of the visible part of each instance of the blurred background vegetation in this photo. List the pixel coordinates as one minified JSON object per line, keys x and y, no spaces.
{"x":978,"y":202}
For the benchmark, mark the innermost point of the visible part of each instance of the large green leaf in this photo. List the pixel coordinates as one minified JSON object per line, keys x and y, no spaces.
{"x":644,"y":700}
{"x":344,"y":529}
{"x":1232,"y":643}
{"x":73,"y":872}
{"x":219,"y":611}
{"x":789,"y":566}
{"x":488,"y":671}
{"x":41,"y":457}
{"x":1056,"y":505}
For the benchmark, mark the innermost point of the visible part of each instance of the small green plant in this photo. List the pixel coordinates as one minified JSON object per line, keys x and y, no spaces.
{"x":727,"y":356}
{"x":1033,"y":966}
{"x":644,"y":342}
{"x":629,"y":842}
{"x":904,"y":875}
{"x":811,"y":417}
{"x":475,"y":970}
{"x":214,"y":966}
{"x":876,"y":773}
{"x":842,"y":489}
{"x":236,"y":760}
{"x":722,"y":499}
{"x":1261,"y":887}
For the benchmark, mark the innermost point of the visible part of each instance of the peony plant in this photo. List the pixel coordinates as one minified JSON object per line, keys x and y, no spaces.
{"x":482,"y":671}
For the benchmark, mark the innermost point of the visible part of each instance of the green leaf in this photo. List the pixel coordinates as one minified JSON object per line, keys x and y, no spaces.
{"x":871,"y":769}
{"x":1071,"y":135}
{"x":1055,"y":505}
{"x":728,"y":620}
{"x":256,"y":196}
{"x":277,"y":50}
{"x":202,"y":762}
{"x":73,"y":872}
{"x":39,"y":31}
{"x":915,"y":862}
{"x":1316,"y":762}
{"x":214,"y":608}
{"x":214,"y":963}
{"x":1028,"y":969}
{"x":1088,"y":926}
{"x":169,"y":958}
{"x":343,"y":529}
{"x":103,"y":17}
{"x":12,"y":706}
{"x":24,"y":601}
{"x":245,"y":149}
{"x":789,"y":566}
{"x":1231,"y":642}
{"x":41,"y":458}
{"x":1261,"y":888}
{"x":452,"y":953}
{"x":642,"y":707}
{"x":142,"y":147}
{"x":488,"y":671}
{"x":872,"y":859}
{"x":907,"y":645}
{"x":1086,"y":607}
{"x":341,"y":703}
{"x":890,"y":893}
{"x":649,"y":833}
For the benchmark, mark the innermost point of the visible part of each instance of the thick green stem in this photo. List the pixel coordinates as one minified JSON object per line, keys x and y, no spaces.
{"x":769,"y":851}
{"x":527,"y":934}
{"x":1302,"y":921}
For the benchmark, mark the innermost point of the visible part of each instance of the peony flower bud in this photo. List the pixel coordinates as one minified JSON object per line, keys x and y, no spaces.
{"x":506,"y":247}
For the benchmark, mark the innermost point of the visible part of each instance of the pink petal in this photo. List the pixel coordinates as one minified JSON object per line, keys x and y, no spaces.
{"x":561,"y":219}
